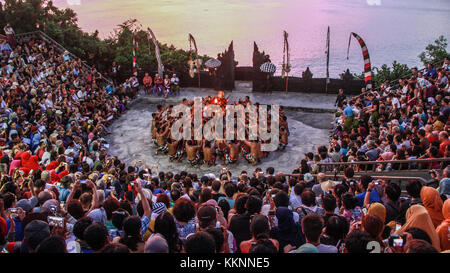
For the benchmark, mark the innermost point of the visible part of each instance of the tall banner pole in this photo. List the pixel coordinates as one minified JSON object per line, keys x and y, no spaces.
{"x":157,"y":52}
{"x":328,"y":60}
{"x":286,"y":57}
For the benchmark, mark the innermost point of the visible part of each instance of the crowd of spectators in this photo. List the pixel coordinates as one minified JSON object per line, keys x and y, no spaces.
{"x":61,"y":192}
{"x":402,"y":122}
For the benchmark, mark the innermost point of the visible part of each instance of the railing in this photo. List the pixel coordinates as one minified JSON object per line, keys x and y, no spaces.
{"x":58,"y":46}
{"x":413,"y":165}
{"x":375,"y":177}
{"x":399,"y":179}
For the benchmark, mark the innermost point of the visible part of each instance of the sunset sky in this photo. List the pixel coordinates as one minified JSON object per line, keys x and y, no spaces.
{"x":387,"y":28}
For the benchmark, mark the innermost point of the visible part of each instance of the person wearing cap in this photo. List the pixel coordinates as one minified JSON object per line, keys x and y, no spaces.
{"x":34,"y":233}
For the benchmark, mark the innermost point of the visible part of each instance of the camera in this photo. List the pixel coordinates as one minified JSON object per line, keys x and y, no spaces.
{"x":397,"y":240}
{"x":364,"y":210}
{"x":13,"y":212}
{"x":55,"y":221}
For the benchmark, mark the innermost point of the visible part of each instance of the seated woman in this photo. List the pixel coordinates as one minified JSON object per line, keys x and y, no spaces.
{"x":166,"y":84}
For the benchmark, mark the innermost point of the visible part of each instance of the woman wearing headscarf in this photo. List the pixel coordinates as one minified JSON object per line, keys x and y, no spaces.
{"x":287,"y":232}
{"x":433,"y":202}
{"x":418,"y":217}
{"x":443,"y":229}
{"x":379,"y":210}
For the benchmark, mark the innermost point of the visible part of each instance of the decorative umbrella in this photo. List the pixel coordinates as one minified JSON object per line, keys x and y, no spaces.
{"x":213,"y":63}
{"x":268,"y":67}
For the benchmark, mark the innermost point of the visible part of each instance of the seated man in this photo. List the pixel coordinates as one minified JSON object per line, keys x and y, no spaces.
{"x":174,"y":83}
{"x":147,"y":81}
{"x":158,"y":88}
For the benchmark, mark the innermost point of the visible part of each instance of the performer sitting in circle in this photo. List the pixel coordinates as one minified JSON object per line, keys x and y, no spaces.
{"x":252,"y":151}
{"x":192,"y":152}
{"x":205,"y":151}
{"x":233,"y":156}
{"x":173,"y":152}
{"x":161,"y":138}
{"x":222,"y":150}
{"x":209,"y":156}
{"x":283,"y":139}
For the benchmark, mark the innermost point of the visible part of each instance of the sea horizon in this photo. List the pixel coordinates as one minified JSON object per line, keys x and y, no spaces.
{"x":385,"y":26}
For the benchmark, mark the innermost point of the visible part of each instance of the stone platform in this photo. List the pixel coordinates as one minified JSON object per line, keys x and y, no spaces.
{"x":130,"y":137}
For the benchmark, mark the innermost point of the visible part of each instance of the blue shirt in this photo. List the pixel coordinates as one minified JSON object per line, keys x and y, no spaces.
{"x":348,"y":111}
{"x":374,"y":197}
{"x":18,"y":226}
{"x":230,"y":202}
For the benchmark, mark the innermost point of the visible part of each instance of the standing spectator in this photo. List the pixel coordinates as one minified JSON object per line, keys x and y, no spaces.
{"x":114,"y":73}
{"x":10,"y":35}
{"x":340,"y":98}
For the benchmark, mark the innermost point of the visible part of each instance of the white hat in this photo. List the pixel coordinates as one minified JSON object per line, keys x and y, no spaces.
{"x":308,"y":177}
{"x":326,"y":186}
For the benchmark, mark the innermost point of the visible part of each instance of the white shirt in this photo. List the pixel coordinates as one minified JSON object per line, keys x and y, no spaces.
{"x":395,"y":103}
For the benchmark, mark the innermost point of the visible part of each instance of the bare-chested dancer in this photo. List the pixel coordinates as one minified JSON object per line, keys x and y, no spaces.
{"x":233,"y":156}
{"x":254,"y":155}
{"x":192,"y":151}
{"x":209,"y":156}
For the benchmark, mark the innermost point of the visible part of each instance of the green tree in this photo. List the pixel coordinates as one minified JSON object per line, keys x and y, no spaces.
{"x":386,"y":73}
{"x":62,"y":26}
{"x":435,"y":52}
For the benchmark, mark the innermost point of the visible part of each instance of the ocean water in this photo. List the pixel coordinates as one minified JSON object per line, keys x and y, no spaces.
{"x":392,"y":29}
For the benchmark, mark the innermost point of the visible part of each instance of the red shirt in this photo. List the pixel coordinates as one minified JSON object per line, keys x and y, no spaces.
{"x":147,"y":80}
{"x":443,"y":146}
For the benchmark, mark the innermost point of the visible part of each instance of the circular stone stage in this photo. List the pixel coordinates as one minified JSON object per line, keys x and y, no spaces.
{"x":130,"y":140}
